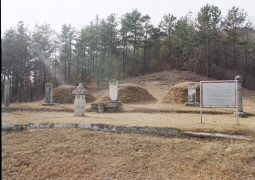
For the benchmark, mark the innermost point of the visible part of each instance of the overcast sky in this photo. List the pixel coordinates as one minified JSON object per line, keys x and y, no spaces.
{"x":79,"y":13}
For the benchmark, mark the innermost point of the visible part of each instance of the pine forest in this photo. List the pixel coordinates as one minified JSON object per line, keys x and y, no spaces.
{"x":127,"y":46}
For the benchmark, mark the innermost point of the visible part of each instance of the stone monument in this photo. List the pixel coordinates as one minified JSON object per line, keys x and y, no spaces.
{"x":192,"y":95}
{"x":113,"y":92}
{"x":239,"y":97}
{"x":48,"y":95}
{"x":113,"y":89}
{"x":79,"y":101}
{"x":6,"y":107}
{"x":113,"y":103}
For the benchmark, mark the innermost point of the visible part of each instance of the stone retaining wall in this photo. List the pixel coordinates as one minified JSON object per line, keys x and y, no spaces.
{"x":104,"y":127}
{"x":122,"y":129}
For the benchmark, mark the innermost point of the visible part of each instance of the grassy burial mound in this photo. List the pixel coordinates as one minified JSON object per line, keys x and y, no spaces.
{"x":178,"y":94}
{"x":131,"y":94}
{"x":63,"y":95}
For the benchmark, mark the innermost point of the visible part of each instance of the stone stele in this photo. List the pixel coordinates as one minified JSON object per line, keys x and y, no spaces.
{"x":113,"y":89}
{"x":48,"y":95}
{"x":192,"y":95}
{"x":6,"y":107}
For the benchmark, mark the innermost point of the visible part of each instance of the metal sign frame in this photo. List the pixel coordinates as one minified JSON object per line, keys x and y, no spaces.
{"x":231,"y":105}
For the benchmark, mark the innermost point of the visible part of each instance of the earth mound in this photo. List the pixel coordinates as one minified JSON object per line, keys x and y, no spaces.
{"x":178,"y":94}
{"x":63,"y":95}
{"x":131,"y":94}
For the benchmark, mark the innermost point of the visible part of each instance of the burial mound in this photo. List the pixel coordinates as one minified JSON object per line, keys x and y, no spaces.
{"x":178,"y":94}
{"x":131,"y":94}
{"x":63,"y":95}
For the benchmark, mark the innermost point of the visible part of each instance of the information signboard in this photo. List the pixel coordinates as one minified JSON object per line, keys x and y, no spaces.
{"x":218,"y":94}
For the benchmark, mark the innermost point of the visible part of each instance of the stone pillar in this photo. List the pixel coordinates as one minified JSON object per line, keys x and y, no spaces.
{"x":192,"y":95}
{"x":113,"y":89}
{"x":79,"y":101}
{"x":48,"y":94}
{"x":239,"y":97}
{"x":6,"y":107}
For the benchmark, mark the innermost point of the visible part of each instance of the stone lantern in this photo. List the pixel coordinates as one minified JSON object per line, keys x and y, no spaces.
{"x":79,"y":101}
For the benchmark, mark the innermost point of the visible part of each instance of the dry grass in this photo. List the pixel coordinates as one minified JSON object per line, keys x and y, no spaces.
{"x":56,"y":153}
{"x":221,"y":123}
{"x":87,"y":154}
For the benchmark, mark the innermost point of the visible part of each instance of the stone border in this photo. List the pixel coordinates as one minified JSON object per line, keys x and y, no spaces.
{"x":122,"y":129}
{"x":51,"y":125}
{"x":104,"y":127}
{"x":202,"y":134}
{"x":6,"y":126}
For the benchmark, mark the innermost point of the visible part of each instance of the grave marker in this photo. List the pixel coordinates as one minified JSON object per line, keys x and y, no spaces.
{"x":113,"y":89}
{"x":48,"y":94}
{"x":192,"y":95}
{"x":6,"y":107}
{"x":113,"y":96}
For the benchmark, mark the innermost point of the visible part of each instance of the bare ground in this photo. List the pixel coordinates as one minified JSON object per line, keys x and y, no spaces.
{"x":87,"y":154}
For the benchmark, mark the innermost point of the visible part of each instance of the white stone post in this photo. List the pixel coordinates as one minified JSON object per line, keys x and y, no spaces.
{"x":113,"y":89}
{"x":79,"y":101}
{"x":239,"y":97}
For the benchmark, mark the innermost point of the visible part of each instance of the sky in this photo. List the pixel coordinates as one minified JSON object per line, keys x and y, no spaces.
{"x":80,"y":13}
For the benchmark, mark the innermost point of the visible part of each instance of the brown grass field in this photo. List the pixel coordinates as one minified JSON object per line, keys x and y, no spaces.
{"x":72,"y":153}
